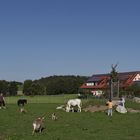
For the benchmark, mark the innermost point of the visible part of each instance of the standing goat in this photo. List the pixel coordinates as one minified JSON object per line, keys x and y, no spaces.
{"x":73,"y":102}
{"x":54,"y":117}
{"x":38,"y":125}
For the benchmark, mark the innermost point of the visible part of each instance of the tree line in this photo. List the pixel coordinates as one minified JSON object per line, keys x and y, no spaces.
{"x":55,"y":85}
{"x":52,"y":85}
{"x":9,"y":88}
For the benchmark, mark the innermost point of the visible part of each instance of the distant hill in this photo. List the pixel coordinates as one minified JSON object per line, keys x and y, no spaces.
{"x":61,"y":84}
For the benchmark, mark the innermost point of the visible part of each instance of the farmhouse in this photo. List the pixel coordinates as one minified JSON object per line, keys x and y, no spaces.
{"x":99,"y":83}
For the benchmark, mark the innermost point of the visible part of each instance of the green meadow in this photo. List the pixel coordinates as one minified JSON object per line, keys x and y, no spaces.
{"x":69,"y":126}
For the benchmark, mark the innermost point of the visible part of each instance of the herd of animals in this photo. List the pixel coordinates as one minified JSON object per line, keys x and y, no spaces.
{"x":38,"y":124}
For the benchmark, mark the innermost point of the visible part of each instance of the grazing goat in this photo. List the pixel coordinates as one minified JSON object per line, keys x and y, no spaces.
{"x":21,"y":102}
{"x":38,"y":125}
{"x":54,"y":117}
{"x":73,"y":102}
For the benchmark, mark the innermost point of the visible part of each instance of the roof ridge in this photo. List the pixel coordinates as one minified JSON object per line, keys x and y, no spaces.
{"x":118,"y":73}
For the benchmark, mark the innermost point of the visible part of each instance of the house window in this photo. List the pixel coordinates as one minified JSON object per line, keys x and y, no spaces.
{"x":96,"y":84}
{"x":90,"y":84}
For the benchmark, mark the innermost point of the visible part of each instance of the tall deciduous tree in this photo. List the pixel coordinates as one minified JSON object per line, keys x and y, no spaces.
{"x":13,"y":88}
{"x":27,"y":87}
{"x":114,"y":80}
{"x":4,"y":87}
{"x":114,"y":73}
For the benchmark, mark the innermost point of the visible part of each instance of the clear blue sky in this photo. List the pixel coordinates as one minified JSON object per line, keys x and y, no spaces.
{"x":40,"y":38}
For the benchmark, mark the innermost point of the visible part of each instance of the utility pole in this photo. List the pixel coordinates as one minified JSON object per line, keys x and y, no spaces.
{"x":118,"y":88}
{"x":111,"y":89}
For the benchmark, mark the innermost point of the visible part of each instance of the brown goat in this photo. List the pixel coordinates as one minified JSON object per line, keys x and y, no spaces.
{"x":38,"y":125}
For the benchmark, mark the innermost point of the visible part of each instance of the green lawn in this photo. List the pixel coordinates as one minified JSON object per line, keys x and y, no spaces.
{"x":69,"y":126}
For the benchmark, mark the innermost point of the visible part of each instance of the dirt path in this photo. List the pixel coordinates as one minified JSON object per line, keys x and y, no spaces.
{"x":103,"y":108}
{"x":95,"y":108}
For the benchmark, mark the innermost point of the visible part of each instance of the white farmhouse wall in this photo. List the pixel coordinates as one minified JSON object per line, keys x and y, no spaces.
{"x":90,"y":84}
{"x":137,"y":78}
{"x":97,"y":93}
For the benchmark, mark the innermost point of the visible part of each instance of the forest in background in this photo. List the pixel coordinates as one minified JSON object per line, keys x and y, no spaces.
{"x":52,"y":85}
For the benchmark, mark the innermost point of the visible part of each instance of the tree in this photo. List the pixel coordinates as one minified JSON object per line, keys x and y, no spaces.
{"x":13,"y":88}
{"x":114,"y":73}
{"x":33,"y":88}
{"x":4,"y":87}
{"x":134,"y":90}
{"x":37,"y":89}
{"x":27,"y":87}
{"x":114,"y":82}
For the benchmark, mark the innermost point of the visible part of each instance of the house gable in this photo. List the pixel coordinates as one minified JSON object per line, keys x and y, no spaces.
{"x":137,"y":77}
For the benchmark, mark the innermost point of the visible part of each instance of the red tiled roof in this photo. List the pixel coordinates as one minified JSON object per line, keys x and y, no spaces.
{"x":126,"y":79}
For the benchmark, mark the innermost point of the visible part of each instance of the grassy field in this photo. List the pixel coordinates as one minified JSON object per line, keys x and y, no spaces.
{"x":41,"y":99}
{"x":69,"y":126}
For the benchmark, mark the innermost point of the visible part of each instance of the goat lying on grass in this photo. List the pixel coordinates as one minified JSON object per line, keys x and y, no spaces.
{"x":61,"y":107}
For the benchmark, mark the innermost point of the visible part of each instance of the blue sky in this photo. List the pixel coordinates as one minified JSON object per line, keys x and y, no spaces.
{"x":40,"y":38}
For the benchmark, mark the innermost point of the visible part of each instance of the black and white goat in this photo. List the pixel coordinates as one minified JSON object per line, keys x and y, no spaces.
{"x":54,"y":117}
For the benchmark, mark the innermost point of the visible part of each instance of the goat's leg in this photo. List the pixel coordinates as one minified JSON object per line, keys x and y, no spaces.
{"x":79,"y":109}
{"x":33,"y":132}
{"x":72,"y":109}
{"x":40,"y":129}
